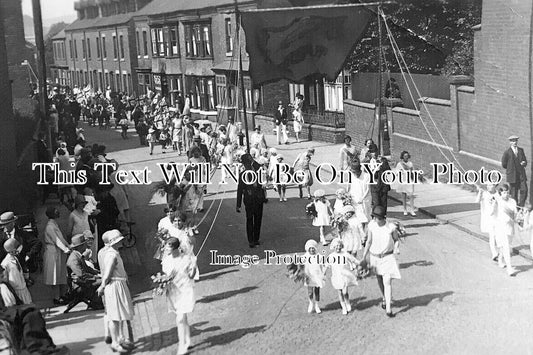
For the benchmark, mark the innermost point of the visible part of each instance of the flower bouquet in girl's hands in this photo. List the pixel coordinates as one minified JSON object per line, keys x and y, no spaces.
{"x":296,"y":272}
{"x":339,"y":222}
{"x":160,"y":282}
{"x":401,"y":230}
{"x":310,"y":210}
{"x":362,"y":270}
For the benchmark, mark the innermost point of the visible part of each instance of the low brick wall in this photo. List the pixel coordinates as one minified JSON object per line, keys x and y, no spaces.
{"x":309,"y":131}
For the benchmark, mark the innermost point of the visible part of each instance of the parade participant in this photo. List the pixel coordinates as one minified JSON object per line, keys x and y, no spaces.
{"x":197,"y":155}
{"x":382,"y":244}
{"x":232,"y":130}
{"x":505,"y":220}
{"x":181,"y":268}
{"x":380,"y":190}
{"x":340,"y":201}
{"x":315,"y":274}
{"x":78,"y":220}
{"x":142,"y":130}
{"x":527,"y":223}
{"x":352,"y":231}
{"x":407,"y":190}
{"x":281,"y":188}
{"x":298,"y":118}
{"x":240,"y":134}
{"x":281,"y":120}
{"x":346,"y":153}
{"x":324,"y":212}
{"x":514,"y":162}
{"x":359,"y":191}
{"x":369,"y":145}
{"x":114,"y":288}
{"x":258,"y":138}
{"x":488,"y":206}
{"x":342,"y":273}
{"x":152,"y":139}
{"x":302,"y":163}
{"x":177,"y":134}
{"x":226,"y":158}
{"x":14,"y":270}
{"x":190,"y":200}
{"x":55,"y":256}
{"x":253,"y":196}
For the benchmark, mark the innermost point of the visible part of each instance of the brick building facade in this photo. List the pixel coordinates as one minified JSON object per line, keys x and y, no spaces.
{"x":477,"y":120}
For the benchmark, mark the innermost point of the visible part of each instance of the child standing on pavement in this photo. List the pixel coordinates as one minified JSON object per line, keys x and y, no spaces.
{"x":505,"y":220}
{"x":487,"y":202}
{"x":323,"y":217}
{"x":314,"y":275}
{"x":342,"y":273}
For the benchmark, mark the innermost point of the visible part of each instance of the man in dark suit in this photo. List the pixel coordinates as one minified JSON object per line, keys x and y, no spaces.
{"x":514,"y":162}
{"x":254,"y":198}
{"x":80,"y":271}
{"x":30,"y":255}
{"x":281,"y":120}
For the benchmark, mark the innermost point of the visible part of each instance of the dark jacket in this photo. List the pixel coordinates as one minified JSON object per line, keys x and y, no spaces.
{"x":250,"y":193}
{"x":281,"y":117}
{"x":511,"y":162}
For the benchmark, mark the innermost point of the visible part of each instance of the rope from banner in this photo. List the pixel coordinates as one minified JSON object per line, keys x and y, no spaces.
{"x":211,"y":227}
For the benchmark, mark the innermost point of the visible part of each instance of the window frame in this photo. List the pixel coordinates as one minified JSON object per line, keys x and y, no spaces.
{"x":115,"y":47}
{"x":229,"y":36}
{"x":145,"y":43}
{"x":198,"y":40}
{"x":121,"y":47}
{"x":98,"y":49}
{"x":104,"y":49}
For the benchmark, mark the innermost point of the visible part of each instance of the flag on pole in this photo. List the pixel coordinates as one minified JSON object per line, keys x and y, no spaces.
{"x":293,"y":44}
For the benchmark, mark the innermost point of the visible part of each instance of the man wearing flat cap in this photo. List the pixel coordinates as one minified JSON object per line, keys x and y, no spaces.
{"x":514,"y":162}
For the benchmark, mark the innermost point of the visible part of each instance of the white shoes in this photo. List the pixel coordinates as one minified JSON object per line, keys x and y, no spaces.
{"x":413,"y":214}
{"x":348,"y":307}
{"x":317,"y":309}
{"x":310,"y":308}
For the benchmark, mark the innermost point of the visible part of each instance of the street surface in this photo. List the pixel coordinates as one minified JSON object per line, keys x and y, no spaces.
{"x":451,"y":299}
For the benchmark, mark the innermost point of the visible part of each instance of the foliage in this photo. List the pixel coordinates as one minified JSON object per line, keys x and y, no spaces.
{"x":435,"y":36}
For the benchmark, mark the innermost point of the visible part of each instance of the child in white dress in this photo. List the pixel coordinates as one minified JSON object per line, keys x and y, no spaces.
{"x":407,"y":190}
{"x":340,"y":198}
{"x":487,"y":202}
{"x":181,"y":268}
{"x":323,"y":218}
{"x":342,"y":273}
{"x":314,"y":275}
{"x":505,"y":220}
{"x":352,"y":233}
{"x":527,"y":227}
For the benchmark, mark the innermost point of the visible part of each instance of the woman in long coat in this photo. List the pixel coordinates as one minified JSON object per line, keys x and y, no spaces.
{"x":55,"y":255}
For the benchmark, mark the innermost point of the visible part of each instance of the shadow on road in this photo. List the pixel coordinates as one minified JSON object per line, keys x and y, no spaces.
{"x":225,"y":295}
{"x":416,"y":263}
{"x":420,"y":301}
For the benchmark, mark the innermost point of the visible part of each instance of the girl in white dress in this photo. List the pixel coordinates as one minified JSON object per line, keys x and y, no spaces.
{"x":342,"y":273}
{"x":315,"y":274}
{"x":352,"y":232}
{"x":407,"y":190}
{"x":359,"y":192}
{"x":181,"y":268}
{"x":340,"y":197}
{"x":505,"y":220}
{"x":226,"y":158}
{"x":487,"y":202}
{"x":323,"y":217}
{"x":382,"y":244}
{"x":297,"y":114}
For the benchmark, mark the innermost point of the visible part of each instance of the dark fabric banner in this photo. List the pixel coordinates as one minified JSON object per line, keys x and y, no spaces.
{"x":293,"y":44}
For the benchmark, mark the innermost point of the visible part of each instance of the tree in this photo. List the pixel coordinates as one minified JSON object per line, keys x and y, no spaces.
{"x":49,"y":50}
{"x":434,"y":37}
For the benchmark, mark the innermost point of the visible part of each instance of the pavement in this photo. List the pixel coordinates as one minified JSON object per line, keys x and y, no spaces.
{"x":258,"y":307}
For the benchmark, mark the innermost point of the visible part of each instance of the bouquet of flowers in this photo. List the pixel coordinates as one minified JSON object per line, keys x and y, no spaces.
{"x":160,"y":282}
{"x":310,"y":210}
{"x":362,"y":270}
{"x":296,"y":272}
{"x":520,"y":216}
{"x":339,"y":222}
{"x":401,"y":230}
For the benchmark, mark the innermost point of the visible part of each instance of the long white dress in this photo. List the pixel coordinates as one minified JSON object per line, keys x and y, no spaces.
{"x":403,"y":167}
{"x":506,"y":213}
{"x":488,"y":211}
{"x":346,"y":153}
{"x":350,"y":236}
{"x":180,"y":292}
{"x":359,"y":191}
{"x":118,"y":303}
{"x":55,"y":255}
{"x":322,"y":211}
{"x":15,"y":277}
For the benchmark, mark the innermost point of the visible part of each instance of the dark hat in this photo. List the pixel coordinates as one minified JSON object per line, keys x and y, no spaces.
{"x":379,"y":211}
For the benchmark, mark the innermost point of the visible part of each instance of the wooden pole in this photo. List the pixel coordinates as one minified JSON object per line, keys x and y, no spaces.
{"x":41,"y":69}
{"x":380,"y":94}
{"x":243,"y":94}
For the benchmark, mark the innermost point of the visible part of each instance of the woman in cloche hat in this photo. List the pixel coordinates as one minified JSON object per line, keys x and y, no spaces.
{"x":382,"y":244}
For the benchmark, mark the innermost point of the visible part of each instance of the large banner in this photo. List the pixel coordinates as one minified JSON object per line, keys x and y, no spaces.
{"x":293,"y":44}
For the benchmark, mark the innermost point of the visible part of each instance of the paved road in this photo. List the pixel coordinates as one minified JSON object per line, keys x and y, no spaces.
{"x":452,"y":298}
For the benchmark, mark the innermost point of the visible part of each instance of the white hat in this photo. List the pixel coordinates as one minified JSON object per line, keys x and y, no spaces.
{"x":319,"y":193}
{"x":347,"y":209}
{"x":112,"y":237}
{"x":335,"y":242}
{"x":310,"y":244}
{"x":513,"y":138}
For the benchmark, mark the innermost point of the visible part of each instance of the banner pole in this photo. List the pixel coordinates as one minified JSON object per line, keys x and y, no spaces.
{"x":295,"y":8}
{"x":243,"y":94}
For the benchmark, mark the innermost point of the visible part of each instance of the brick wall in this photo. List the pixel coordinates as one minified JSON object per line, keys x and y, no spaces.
{"x":309,"y":132}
